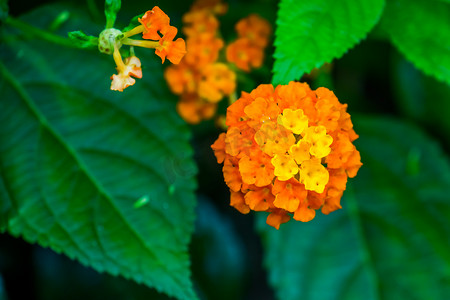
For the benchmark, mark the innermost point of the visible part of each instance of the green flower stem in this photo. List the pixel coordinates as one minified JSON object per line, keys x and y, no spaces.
{"x":42,"y":34}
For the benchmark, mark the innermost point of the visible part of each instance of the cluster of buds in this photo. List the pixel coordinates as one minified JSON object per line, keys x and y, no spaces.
{"x":201,"y":79}
{"x":287,"y":151}
{"x":157,"y":33}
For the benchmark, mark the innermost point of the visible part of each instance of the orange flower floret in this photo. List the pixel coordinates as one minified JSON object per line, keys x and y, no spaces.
{"x":217,"y":81}
{"x":203,"y":49}
{"x":214,"y":6}
{"x":256,"y":170}
{"x":248,"y":50}
{"x":180,"y":78}
{"x":286,"y":151}
{"x":237,"y":201}
{"x":173,"y":50}
{"x":154,"y":21}
{"x":193,"y":109}
{"x":200,"y":22}
{"x":254,"y":28}
{"x":260,"y":199}
{"x":219,"y":148}
{"x":130,"y":67}
{"x":288,"y":194}
{"x":274,"y":139}
{"x":277,"y":217}
{"x":244,"y":54}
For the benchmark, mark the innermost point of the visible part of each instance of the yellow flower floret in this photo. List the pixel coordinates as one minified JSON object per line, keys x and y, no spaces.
{"x":285,"y":166}
{"x":314,"y":175}
{"x":293,"y":120}
{"x":274,"y":139}
{"x":300,"y":151}
{"x":319,"y":139}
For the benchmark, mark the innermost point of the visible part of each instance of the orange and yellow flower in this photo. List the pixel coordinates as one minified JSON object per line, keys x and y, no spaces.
{"x":200,"y":79}
{"x":130,"y":67}
{"x":288,"y":151}
{"x":173,"y":50}
{"x":157,"y":34}
{"x":203,"y":75}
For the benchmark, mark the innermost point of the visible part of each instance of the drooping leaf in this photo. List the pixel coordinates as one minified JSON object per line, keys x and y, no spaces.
{"x":390,"y":240}
{"x":420,"y":29}
{"x":75,"y":158}
{"x":82,"y":40}
{"x":310,"y":33}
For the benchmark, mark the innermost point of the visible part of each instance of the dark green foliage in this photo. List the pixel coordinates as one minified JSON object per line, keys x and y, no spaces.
{"x":420,"y":29}
{"x":390,"y":240}
{"x":3,"y":9}
{"x":75,"y":157}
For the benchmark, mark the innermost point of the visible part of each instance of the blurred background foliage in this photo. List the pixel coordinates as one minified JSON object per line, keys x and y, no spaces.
{"x":391,"y":240}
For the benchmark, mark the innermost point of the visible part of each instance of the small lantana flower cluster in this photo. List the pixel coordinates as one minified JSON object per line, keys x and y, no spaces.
{"x":248,"y":50}
{"x":201,"y":79}
{"x":287,"y":151}
{"x":157,"y":33}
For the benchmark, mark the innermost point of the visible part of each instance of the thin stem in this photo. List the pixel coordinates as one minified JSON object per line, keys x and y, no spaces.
{"x":110,"y":23}
{"x":134,"y":31}
{"x":118,"y":59}
{"x":28,"y":29}
{"x":139,"y":43}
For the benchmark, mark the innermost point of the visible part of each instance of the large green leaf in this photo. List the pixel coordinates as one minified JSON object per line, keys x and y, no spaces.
{"x":420,"y":29}
{"x":104,"y":177}
{"x":390,"y":240}
{"x":310,"y":33}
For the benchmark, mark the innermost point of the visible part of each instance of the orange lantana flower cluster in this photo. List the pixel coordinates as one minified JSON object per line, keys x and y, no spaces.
{"x":157,"y":34}
{"x":288,"y":151}
{"x":201,"y":79}
{"x":248,"y":50}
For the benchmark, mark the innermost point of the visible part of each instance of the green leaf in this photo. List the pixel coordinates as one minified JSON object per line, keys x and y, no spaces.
{"x":421,"y":98}
{"x":112,"y":7}
{"x":3,"y":9}
{"x":82,"y":40}
{"x":311,"y":33}
{"x":420,"y":30}
{"x":390,"y":240}
{"x":75,"y":157}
